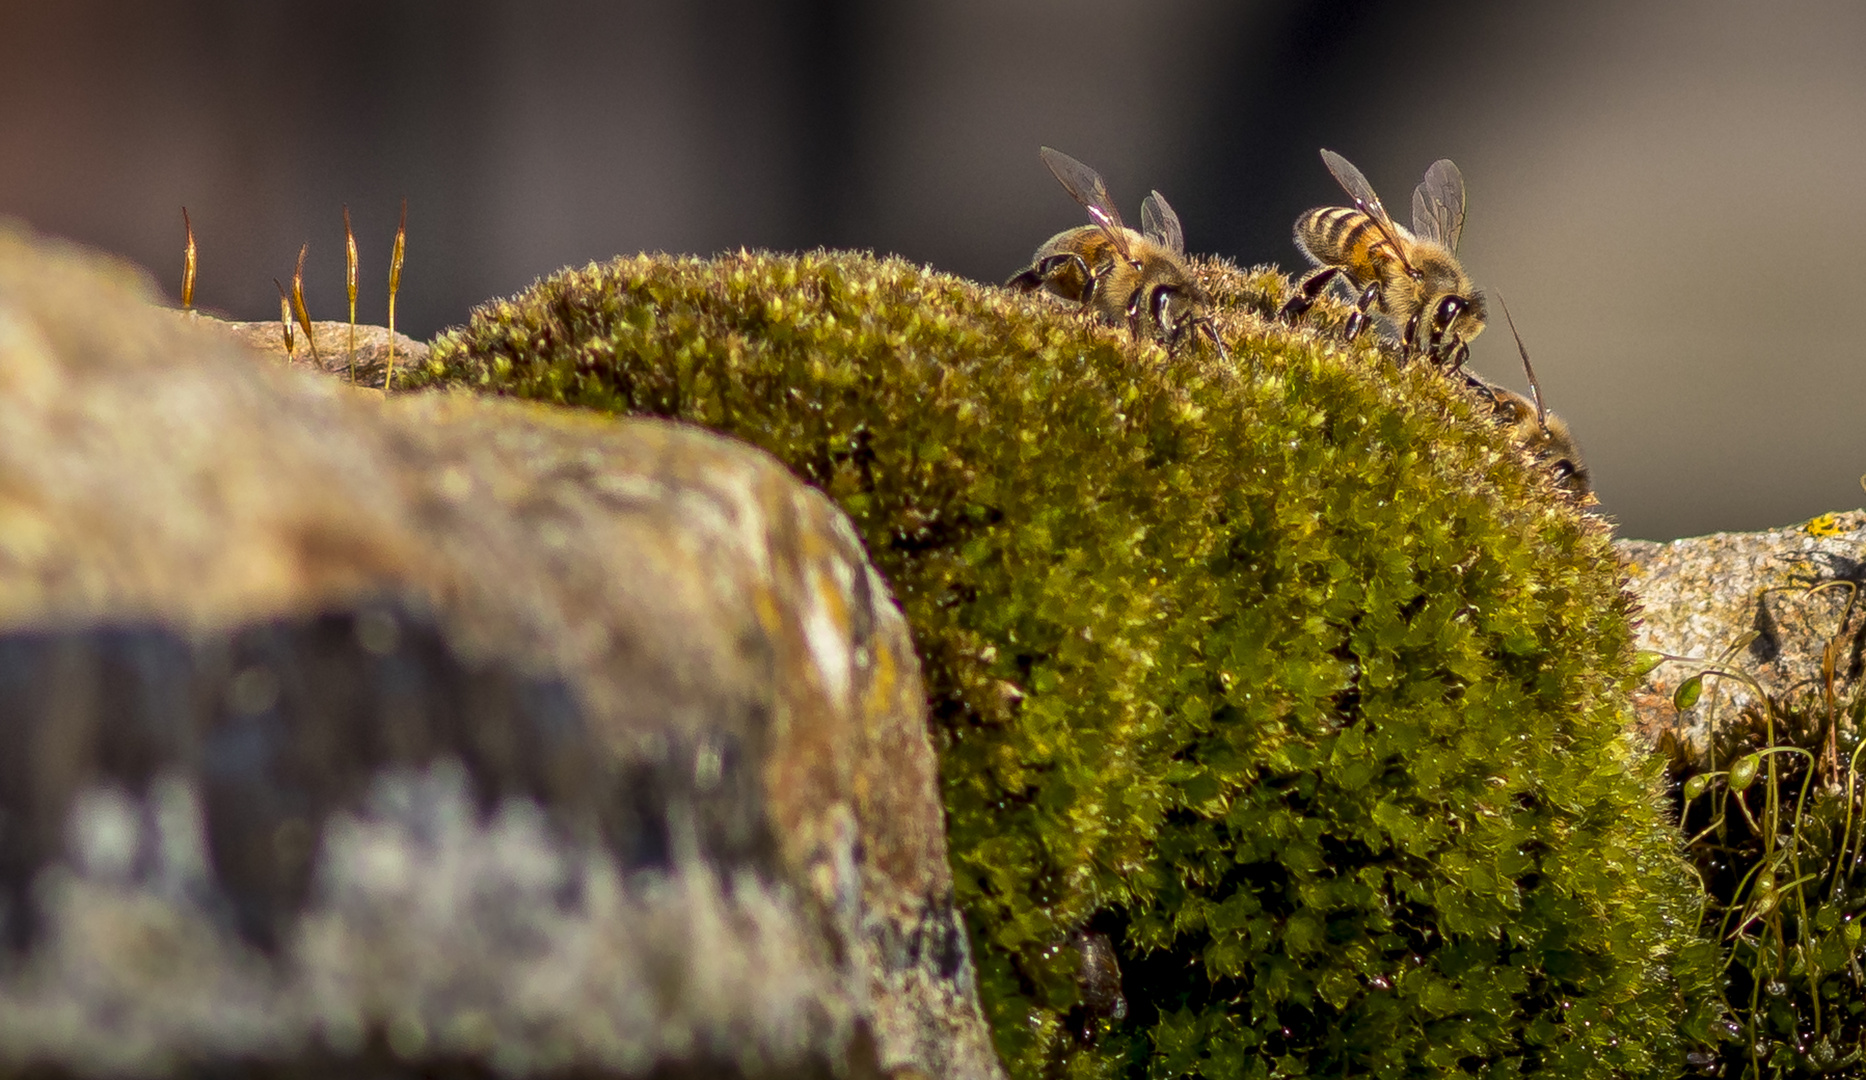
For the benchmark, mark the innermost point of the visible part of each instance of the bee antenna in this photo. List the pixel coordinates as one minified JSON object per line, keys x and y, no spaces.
{"x":1534,"y":386}
{"x":1211,"y":331}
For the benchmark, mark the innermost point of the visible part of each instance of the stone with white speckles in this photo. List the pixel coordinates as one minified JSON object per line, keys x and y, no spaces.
{"x":346,"y":736}
{"x":1764,"y":604}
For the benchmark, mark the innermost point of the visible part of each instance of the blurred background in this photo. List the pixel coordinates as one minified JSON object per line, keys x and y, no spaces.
{"x":1666,"y":192}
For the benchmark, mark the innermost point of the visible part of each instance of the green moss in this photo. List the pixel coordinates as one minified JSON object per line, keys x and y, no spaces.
{"x":1775,"y":817}
{"x":1290,"y":676}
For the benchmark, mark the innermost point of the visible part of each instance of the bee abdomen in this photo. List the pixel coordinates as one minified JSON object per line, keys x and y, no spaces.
{"x":1335,"y":234}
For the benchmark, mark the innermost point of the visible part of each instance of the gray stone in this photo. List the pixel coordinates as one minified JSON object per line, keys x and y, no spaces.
{"x":349,"y":734}
{"x":1762,"y":606}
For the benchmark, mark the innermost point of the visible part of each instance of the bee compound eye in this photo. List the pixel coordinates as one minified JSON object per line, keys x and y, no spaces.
{"x":1166,"y":307}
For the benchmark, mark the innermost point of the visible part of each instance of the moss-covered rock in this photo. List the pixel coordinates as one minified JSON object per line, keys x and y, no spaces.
{"x":1289,"y":675}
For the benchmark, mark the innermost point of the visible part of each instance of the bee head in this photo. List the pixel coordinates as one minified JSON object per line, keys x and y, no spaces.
{"x":1570,"y":476}
{"x":1170,"y":309}
{"x":1468,"y":321}
{"x":1454,"y":320}
{"x":1175,"y":309}
{"x":1564,"y":457}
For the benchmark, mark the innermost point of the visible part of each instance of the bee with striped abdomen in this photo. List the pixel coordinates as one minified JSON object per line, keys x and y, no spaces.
{"x":1412,"y":278}
{"x":1138,"y":278}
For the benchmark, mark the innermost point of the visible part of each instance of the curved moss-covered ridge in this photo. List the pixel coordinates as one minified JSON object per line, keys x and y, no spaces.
{"x":1289,"y":676}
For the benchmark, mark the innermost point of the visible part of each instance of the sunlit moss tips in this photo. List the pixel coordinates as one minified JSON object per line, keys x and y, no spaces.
{"x":1289,"y":674}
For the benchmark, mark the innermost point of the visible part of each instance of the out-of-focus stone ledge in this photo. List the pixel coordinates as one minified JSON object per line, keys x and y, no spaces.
{"x":345,"y":736}
{"x":367,"y":365}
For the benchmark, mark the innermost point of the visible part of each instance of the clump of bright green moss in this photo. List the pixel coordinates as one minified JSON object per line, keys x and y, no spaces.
{"x":1289,"y":675}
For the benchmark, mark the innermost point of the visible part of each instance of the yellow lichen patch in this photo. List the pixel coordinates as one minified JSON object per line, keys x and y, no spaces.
{"x":1824,"y":525}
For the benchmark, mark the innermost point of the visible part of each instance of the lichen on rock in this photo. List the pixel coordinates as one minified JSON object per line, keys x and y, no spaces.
{"x":1767,"y":603}
{"x":1290,"y":676}
{"x":1758,"y":707}
{"x":441,"y":734}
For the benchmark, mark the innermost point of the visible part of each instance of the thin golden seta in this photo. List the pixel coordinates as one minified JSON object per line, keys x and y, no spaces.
{"x":285,"y":317}
{"x":187,"y":263}
{"x":395,"y":283}
{"x":298,"y":304}
{"x":349,"y":282}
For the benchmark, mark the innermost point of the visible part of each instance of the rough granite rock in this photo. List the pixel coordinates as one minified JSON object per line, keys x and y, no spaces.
{"x":345,"y":734}
{"x":1764,"y":604}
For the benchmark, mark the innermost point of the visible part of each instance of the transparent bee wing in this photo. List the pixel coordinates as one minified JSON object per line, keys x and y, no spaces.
{"x":1438,"y":204}
{"x":1534,"y":386}
{"x":1159,"y":224}
{"x":1364,"y":198}
{"x":1085,"y":186}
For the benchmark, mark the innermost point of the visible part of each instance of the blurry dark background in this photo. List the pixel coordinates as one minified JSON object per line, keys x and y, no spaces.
{"x":1667,"y":193}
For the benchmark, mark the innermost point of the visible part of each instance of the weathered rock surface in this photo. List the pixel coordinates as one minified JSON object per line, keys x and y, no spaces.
{"x":369,"y":363}
{"x":1764,"y":604}
{"x":342,"y":733}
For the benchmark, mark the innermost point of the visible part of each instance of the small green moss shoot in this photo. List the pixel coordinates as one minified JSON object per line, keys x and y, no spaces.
{"x":1290,"y":674}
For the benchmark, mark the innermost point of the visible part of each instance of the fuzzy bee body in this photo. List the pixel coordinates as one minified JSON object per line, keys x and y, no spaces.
{"x":1412,"y":277}
{"x":1544,"y":435}
{"x":1343,"y":236}
{"x":1150,"y":285}
{"x":1140,"y":279}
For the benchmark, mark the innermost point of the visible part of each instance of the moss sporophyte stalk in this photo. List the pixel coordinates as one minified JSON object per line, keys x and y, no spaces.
{"x":1772,"y":813}
{"x":1287,"y":674}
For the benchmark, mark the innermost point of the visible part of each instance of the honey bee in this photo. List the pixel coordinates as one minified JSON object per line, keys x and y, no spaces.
{"x":1140,"y":278}
{"x":1534,"y":428}
{"x":1413,"y":278}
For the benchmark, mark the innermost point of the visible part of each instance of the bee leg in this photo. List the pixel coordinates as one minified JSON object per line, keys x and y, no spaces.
{"x":1409,"y":341}
{"x":1460,"y":352}
{"x":1448,"y":351}
{"x":1058,"y":274}
{"x":1156,"y":301}
{"x":1308,"y":292}
{"x":1029,"y":279}
{"x":1080,"y":267}
{"x":1089,"y":281}
{"x":1042,"y":273}
{"x":1447,"y":348}
{"x":1359,"y":320}
{"x":1483,"y":388}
